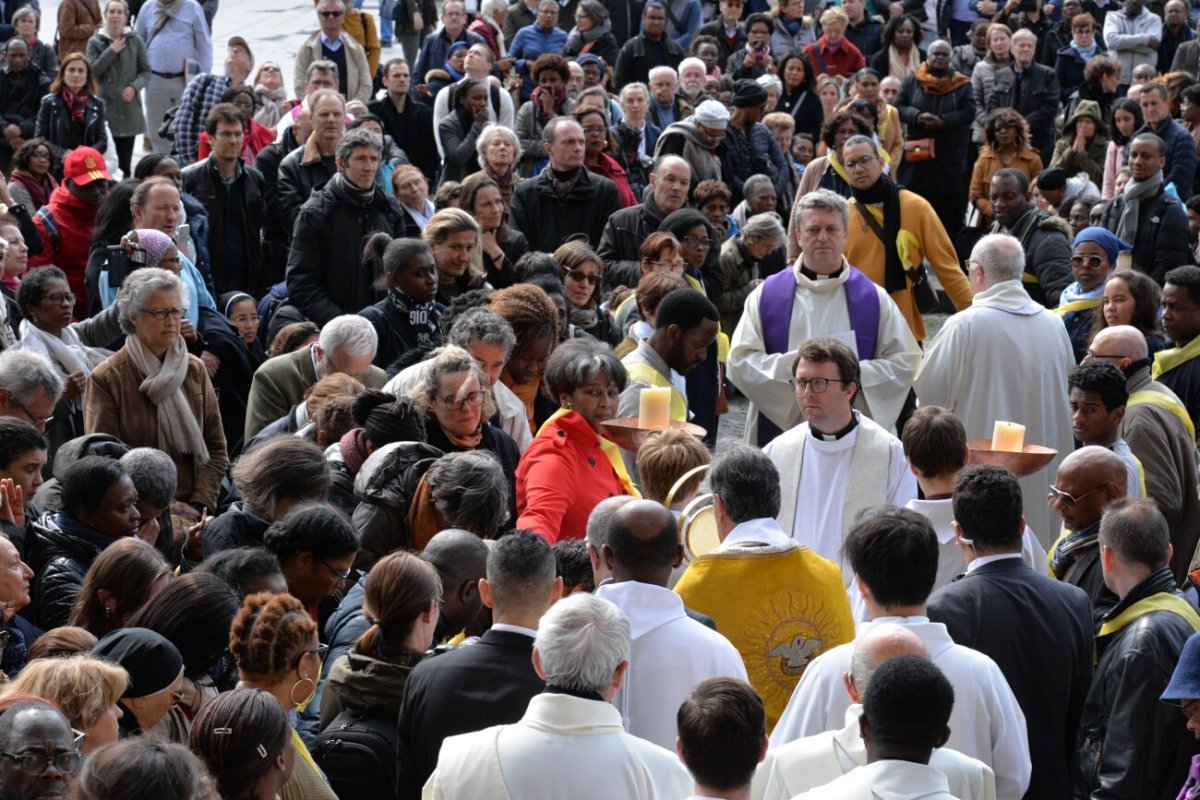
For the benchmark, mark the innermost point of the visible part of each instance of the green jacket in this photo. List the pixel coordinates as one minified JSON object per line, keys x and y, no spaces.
{"x":361,"y":682}
{"x":114,"y":71}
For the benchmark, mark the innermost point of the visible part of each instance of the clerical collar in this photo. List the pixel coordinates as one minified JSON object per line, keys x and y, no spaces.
{"x":583,"y":695}
{"x":833,"y":437}
{"x":812,"y":276}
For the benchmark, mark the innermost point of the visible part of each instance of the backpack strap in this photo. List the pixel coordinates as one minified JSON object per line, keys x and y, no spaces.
{"x":47,"y":218}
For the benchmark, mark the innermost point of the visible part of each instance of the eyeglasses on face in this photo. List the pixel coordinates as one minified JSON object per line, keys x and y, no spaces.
{"x":1092,"y":262}
{"x":818,"y":385}
{"x":1068,"y":500}
{"x":60,"y":298}
{"x":330,"y":14}
{"x":342,"y":574}
{"x":36,"y":764}
{"x":38,"y":422}
{"x":161,"y":314}
{"x":696,"y":241}
{"x":851,"y":166}
{"x":666,"y":263}
{"x":472,"y":399}
{"x":579,"y":276}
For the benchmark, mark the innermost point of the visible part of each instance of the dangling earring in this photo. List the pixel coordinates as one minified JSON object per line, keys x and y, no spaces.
{"x":308,"y":698}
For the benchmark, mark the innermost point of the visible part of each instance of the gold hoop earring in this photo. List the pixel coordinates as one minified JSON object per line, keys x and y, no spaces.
{"x":308,"y":698}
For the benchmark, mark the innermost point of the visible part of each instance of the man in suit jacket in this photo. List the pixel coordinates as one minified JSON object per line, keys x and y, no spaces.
{"x":1038,"y":630}
{"x":490,"y":682}
{"x":347,"y":345}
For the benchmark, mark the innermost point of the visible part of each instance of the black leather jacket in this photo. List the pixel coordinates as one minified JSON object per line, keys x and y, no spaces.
{"x":1130,"y":744}
{"x":202,"y":181}
{"x":59,"y":561}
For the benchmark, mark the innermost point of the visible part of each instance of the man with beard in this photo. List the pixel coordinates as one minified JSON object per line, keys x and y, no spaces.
{"x":1045,"y":239}
{"x":892,"y":231}
{"x":685,"y":325}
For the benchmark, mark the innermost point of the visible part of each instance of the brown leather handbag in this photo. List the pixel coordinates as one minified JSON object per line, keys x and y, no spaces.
{"x":918,"y":150}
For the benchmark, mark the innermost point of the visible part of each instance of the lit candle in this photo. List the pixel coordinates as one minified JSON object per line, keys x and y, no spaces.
{"x":654,"y":408}
{"x":1008,"y":436}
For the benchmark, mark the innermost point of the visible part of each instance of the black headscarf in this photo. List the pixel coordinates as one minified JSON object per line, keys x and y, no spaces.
{"x":153,"y":663}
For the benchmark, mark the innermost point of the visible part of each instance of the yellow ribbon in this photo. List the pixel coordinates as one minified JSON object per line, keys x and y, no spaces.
{"x":1167,"y":360}
{"x":1076,"y":305}
{"x":908,"y":246}
{"x":608,"y":447}
{"x":1163,"y":601}
{"x":1163,"y":401}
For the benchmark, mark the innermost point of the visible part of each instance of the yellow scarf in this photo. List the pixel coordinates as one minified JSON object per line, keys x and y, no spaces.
{"x":1165,"y":402}
{"x":1167,"y":360}
{"x":1076,"y":305}
{"x":836,"y":164}
{"x":610,"y":450}
{"x":302,"y":751}
{"x":908,"y":246}
{"x":641,"y":371}
{"x":1163,"y":601}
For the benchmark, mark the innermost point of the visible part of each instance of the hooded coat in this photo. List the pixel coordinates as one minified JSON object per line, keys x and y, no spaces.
{"x":1091,"y":160}
{"x":385,"y":486}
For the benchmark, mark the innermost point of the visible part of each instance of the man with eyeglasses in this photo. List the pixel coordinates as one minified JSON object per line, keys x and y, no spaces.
{"x":625,"y":230}
{"x":893,"y":231}
{"x":1162,"y":436}
{"x":822,"y":294}
{"x":30,"y":387}
{"x":332,"y":43}
{"x":1087,"y":482}
{"x":1004,"y":358}
{"x":1129,"y":743}
{"x":838,"y":462}
{"x":39,"y":752}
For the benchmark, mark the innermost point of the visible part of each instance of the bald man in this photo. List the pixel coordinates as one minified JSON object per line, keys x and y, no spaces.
{"x":1087,"y":482}
{"x":814,"y":761}
{"x":1162,"y":436}
{"x":460,"y":557}
{"x":670,"y":652}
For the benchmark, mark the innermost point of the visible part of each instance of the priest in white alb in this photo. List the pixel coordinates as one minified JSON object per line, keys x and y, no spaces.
{"x":820,"y":295}
{"x":1006,"y":358}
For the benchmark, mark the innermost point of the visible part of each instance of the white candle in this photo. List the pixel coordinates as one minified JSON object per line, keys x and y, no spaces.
{"x":1008,"y":436}
{"x":654,"y":408}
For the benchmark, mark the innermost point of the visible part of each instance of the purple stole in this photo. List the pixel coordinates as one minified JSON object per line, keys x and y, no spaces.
{"x":775,"y":303}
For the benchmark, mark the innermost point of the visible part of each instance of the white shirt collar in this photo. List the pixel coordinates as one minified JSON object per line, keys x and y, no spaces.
{"x":503,"y":626}
{"x":979,"y":561}
{"x":764,"y":530}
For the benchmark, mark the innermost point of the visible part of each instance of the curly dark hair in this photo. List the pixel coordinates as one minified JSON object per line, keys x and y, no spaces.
{"x":1006,"y":117}
{"x":889,"y":30}
{"x":830,"y":128}
{"x":550,"y":61}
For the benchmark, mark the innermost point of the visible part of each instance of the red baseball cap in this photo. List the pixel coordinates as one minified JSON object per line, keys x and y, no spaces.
{"x":84,"y":165}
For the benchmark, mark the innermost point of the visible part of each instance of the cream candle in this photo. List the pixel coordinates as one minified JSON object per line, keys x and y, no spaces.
{"x":1008,"y":436}
{"x":654,"y":408}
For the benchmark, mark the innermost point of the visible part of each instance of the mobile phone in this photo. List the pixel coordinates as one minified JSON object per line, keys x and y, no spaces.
{"x":120,"y":264}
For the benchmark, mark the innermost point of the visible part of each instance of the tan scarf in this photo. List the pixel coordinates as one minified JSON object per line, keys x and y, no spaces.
{"x":900,"y":69}
{"x":178,"y":429}
{"x":468,"y":442}
{"x":934,"y":86}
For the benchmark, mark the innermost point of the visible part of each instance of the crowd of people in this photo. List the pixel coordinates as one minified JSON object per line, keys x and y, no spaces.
{"x":323,"y":466}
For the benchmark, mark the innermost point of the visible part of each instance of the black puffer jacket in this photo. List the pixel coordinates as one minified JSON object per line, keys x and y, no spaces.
{"x":325,"y":273}
{"x":1131,"y":744}
{"x":385,"y":487}
{"x":300,"y":172}
{"x":59,"y":561}
{"x":1161,"y":243}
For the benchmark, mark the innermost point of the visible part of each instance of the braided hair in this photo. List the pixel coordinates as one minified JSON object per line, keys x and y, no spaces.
{"x":529,"y":310}
{"x":267,"y":635}
{"x":239,"y":735}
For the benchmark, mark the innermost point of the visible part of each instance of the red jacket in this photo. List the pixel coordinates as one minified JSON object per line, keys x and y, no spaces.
{"x":846,"y":60}
{"x":610,"y":168}
{"x":561,"y":478}
{"x":67,"y":246}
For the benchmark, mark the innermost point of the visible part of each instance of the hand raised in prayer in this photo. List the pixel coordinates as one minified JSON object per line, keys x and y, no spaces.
{"x":12,"y":502}
{"x":76,"y":383}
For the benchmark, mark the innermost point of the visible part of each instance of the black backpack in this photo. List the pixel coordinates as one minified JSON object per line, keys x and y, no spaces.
{"x":357,"y":753}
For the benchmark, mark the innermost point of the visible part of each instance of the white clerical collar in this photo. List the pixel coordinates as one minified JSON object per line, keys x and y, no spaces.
{"x":915,"y":620}
{"x":979,"y":561}
{"x":764,"y":530}
{"x":505,"y":627}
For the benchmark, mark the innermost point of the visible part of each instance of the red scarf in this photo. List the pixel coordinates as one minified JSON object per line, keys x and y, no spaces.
{"x":76,"y":103}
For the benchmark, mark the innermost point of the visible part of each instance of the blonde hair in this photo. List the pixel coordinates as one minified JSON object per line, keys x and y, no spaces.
{"x":448,"y":222}
{"x":665,"y":458}
{"x":83,"y":686}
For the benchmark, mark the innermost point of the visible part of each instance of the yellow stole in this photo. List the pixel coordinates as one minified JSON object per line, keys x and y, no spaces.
{"x":641,"y":371}
{"x":1076,"y":305}
{"x":1167,"y":360}
{"x":908,"y":246}
{"x":610,"y":450}
{"x":1163,"y":601}
{"x":1165,"y":402}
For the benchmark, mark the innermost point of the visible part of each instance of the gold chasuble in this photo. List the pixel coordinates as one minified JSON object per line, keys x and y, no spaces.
{"x":781,"y":607}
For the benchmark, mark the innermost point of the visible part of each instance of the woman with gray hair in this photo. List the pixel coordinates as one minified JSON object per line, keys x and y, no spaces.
{"x":741,"y":257}
{"x":457,"y":406}
{"x":571,"y":466}
{"x":152,"y":393}
{"x":499,"y":152}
